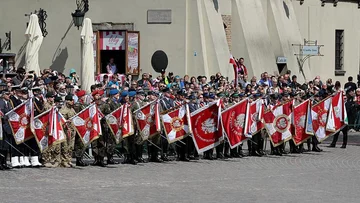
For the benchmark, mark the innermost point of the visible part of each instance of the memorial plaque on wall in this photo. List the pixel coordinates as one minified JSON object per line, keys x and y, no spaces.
{"x":159,"y":16}
{"x":133,"y":53}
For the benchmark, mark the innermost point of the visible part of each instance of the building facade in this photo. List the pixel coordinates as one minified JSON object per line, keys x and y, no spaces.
{"x":267,"y":33}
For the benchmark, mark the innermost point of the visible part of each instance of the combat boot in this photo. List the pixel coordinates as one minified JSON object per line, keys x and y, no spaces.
{"x":80,"y":162}
{"x":110,"y":160}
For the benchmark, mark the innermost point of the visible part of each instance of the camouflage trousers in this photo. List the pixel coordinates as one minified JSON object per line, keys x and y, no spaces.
{"x":132,"y":141}
{"x":79,"y":147}
{"x":67,"y":148}
{"x":104,"y":145}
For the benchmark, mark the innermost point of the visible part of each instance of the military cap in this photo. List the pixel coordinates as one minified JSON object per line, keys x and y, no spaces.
{"x":100,"y":92}
{"x":166,"y":89}
{"x":221,"y":94}
{"x":81,"y":93}
{"x":151,"y":93}
{"x":141,"y":92}
{"x":206,"y":95}
{"x":15,"y":87}
{"x":212,"y":96}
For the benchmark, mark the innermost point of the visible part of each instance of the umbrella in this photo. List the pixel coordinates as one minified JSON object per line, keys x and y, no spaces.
{"x":35,"y":38}
{"x":87,"y":56}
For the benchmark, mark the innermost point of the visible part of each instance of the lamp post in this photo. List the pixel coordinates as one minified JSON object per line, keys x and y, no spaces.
{"x":79,"y":14}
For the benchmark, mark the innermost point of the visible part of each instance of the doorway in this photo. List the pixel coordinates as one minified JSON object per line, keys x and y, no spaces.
{"x":119,"y":60}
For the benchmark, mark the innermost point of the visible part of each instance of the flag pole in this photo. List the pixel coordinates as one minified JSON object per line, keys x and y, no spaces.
{"x":14,"y":147}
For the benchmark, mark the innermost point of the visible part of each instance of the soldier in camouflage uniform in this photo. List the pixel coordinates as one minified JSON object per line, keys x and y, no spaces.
{"x":47,"y":154}
{"x":79,"y":146}
{"x":129,"y":142}
{"x":67,"y":147}
{"x":139,"y":102}
{"x":99,"y":145}
{"x":156,"y":139}
{"x":110,"y":142}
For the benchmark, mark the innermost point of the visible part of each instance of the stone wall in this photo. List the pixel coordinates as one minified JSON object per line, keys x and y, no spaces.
{"x":227,"y":22}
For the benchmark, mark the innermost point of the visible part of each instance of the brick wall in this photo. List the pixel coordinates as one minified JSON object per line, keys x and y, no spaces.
{"x":227,"y":21}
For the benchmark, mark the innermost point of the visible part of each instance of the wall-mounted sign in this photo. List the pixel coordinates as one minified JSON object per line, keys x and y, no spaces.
{"x":281,"y":60}
{"x":159,"y":16}
{"x":310,"y":50}
{"x":112,"y":40}
{"x":133,"y":53}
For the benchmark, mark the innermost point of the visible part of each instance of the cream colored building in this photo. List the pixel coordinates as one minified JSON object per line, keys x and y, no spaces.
{"x":191,"y":33}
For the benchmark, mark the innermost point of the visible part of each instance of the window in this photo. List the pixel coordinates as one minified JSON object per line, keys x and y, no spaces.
{"x":339,"y":50}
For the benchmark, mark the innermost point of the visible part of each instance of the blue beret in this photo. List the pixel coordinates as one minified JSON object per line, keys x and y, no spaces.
{"x":113,"y":91}
{"x":124,"y":93}
{"x":132,"y":93}
{"x":206,"y":95}
{"x":212,"y":96}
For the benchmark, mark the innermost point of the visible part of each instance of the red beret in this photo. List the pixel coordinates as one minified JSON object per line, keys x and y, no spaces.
{"x":81,"y":93}
{"x":100,"y":92}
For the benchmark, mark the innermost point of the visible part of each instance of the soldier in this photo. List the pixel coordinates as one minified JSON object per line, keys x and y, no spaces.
{"x":6,"y":130}
{"x":99,"y":145}
{"x":67,"y":147}
{"x":79,"y":146}
{"x":137,"y":104}
{"x":191,"y":151}
{"x":315,"y":142}
{"x":127,"y":98}
{"x":47,"y":155}
{"x":110,"y":143}
{"x":166,"y":103}
{"x":17,"y":159}
{"x":156,"y":139}
{"x":181,"y":146}
{"x":255,"y":145}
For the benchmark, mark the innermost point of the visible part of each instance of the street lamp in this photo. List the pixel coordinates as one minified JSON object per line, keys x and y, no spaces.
{"x":78,"y":18}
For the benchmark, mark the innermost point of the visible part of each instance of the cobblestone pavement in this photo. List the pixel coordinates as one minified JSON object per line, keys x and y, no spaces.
{"x":330,"y":176}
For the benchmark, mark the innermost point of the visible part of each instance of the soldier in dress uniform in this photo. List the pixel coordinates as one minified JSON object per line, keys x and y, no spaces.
{"x":166,"y":103}
{"x":191,"y":151}
{"x":181,"y":146}
{"x":110,"y":142}
{"x":17,"y":159}
{"x":6,"y":130}
{"x":315,"y":142}
{"x":67,"y":147}
{"x":255,"y":145}
{"x":99,"y":145}
{"x":79,"y":146}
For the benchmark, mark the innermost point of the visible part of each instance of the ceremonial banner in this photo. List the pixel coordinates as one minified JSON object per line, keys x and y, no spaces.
{"x":42,"y":128}
{"x":114,"y":122}
{"x":148,"y":120}
{"x":19,"y":120}
{"x":57,"y":134}
{"x":87,"y":124}
{"x":127,"y":122}
{"x":302,"y":122}
{"x":338,"y":111}
{"x":233,"y":122}
{"x":278,"y":123}
{"x":254,"y":122}
{"x":205,"y":125}
{"x":236,"y":75}
{"x":321,"y":119}
{"x":177,"y":123}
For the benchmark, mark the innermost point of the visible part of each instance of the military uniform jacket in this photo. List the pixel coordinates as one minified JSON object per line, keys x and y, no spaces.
{"x":5,"y":107}
{"x":14,"y":101}
{"x":79,"y":107}
{"x":113,"y":105}
{"x":166,"y":103}
{"x":38,"y":106}
{"x":193,"y":107}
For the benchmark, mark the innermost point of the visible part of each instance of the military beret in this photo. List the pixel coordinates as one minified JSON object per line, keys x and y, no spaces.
{"x":212,"y":96}
{"x":235,"y":95}
{"x":192,"y":97}
{"x":206,"y":95}
{"x":100,"y":92}
{"x":141,"y":92}
{"x":58,"y":99}
{"x":69,"y":97}
{"x":221,"y":94}
{"x":132,"y":93}
{"x":80,"y":93}
{"x":113,"y":92}
{"x":49,"y":94}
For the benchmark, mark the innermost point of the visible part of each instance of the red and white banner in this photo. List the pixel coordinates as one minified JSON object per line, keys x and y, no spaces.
{"x":57,"y":133}
{"x":233,"y":121}
{"x":127,"y":126}
{"x":256,"y":113}
{"x":321,"y":119}
{"x":112,"y":40}
{"x":148,"y":120}
{"x":42,"y":128}
{"x":278,"y":123}
{"x":205,"y":125}
{"x":302,"y":122}
{"x":19,"y":119}
{"x":177,"y":123}
{"x":87,"y":124}
{"x":114,"y":122}
{"x":338,"y":111}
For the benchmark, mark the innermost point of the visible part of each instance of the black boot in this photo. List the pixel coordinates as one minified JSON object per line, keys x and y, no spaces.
{"x":101,"y":162}
{"x":110,"y":160}
{"x":80,"y":162}
{"x":139,"y":151}
{"x":4,"y":165}
{"x":96,"y":162}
